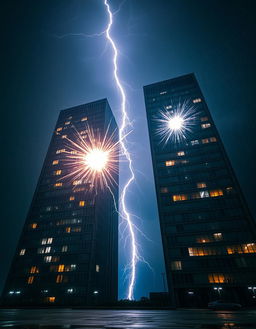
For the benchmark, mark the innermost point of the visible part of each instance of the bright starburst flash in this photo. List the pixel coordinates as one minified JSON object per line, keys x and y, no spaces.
{"x":175,"y":122}
{"x":91,"y":158}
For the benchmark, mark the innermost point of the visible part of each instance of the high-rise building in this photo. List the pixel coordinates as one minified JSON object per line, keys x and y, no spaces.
{"x":67,"y":252}
{"x":207,"y":231}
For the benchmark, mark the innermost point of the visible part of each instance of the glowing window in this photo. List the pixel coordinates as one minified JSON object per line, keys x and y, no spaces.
{"x":47,"y":250}
{"x":84,"y":119}
{"x":201,"y":185}
{"x":55,"y":162}
{"x":48,"y":259}
{"x":81,"y":203}
{"x":60,"y":151}
{"x":216,"y":278}
{"x":34,"y":269}
{"x":205,"y":140}
{"x":163,"y":92}
{"x":22,"y":252}
{"x":195,"y":142}
{"x":68,"y":229}
{"x":44,"y":241}
{"x":57,"y":172}
{"x":77,"y":182}
{"x":179,"y":197}
{"x":57,"y":184}
{"x":67,"y":123}
{"x":64,"y":136}
{"x":176,"y":265}
{"x":199,"y":251}
{"x":61,"y":268}
{"x":204,"y":239}
{"x":76,"y":229}
{"x":204,"y":119}
{"x":50,"y":299}
{"x":49,"y":240}
{"x":59,"y":129}
{"x":242,"y":249}
{"x":169,"y":163}
{"x":64,"y":249}
{"x":168,"y":107}
{"x":197,"y":100}
{"x":59,"y":278}
{"x":40,"y":250}
{"x":215,"y":193}
{"x":33,"y":225}
{"x":71,"y":198}
{"x":164,"y":189}
{"x":205,"y":125}
{"x":97,"y":268}
{"x":30,"y":279}
{"x":83,"y":132}
{"x":180,"y":153}
{"x":217,"y":236}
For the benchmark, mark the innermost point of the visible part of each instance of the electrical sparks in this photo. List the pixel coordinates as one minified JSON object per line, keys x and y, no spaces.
{"x":124,"y":125}
{"x":91,"y":158}
{"x":175,"y":122}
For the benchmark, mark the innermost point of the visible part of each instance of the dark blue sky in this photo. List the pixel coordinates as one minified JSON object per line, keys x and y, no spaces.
{"x":158,"y":40}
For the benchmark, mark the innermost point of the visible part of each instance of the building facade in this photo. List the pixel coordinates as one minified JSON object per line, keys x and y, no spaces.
{"x":207,"y":231}
{"x":68,"y":249}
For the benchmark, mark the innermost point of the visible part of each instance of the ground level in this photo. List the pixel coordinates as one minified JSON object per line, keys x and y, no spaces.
{"x":126,"y":319}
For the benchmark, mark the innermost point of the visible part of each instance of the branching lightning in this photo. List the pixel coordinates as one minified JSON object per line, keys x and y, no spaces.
{"x":135,"y":257}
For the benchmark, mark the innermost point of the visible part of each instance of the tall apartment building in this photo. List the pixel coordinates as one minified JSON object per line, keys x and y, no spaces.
{"x":207,"y":231}
{"x":67,"y":252}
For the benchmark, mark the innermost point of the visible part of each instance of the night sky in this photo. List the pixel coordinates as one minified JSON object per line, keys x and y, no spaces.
{"x":158,"y":39}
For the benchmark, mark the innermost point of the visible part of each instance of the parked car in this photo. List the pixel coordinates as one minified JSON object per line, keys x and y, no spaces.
{"x":223,"y":305}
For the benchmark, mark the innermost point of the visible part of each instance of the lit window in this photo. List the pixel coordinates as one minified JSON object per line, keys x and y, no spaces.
{"x":50,"y":299}
{"x":204,"y":119}
{"x":168,"y":107}
{"x":83,"y":132}
{"x":169,"y":163}
{"x":229,"y":189}
{"x":40,"y":250}
{"x":97,"y":268}
{"x":199,"y":251}
{"x":163,"y":92}
{"x":64,"y":136}
{"x":60,"y":151}
{"x":205,"y":140}
{"x":59,"y":129}
{"x":72,"y":267}
{"x":71,"y":198}
{"x":197,"y":100}
{"x":33,"y":225}
{"x":57,"y":184}
{"x":70,"y":117}
{"x":204,"y":194}
{"x":179,"y":197}
{"x":164,"y":190}
{"x":59,"y":278}
{"x":67,"y":123}
{"x":49,"y":208}
{"x":77,"y":182}
{"x":242,"y":249}
{"x":195,"y":142}
{"x":49,"y":240}
{"x":34,"y":269}
{"x":215,"y":193}
{"x":81,"y":203}
{"x":57,"y":172}
{"x":68,"y":229}
{"x":55,"y":162}
{"x":61,"y":268}
{"x":216,"y":278}
{"x":205,"y":125}
{"x":217,"y":236}
{"x":22,"y":252}
{"x":30,"y":279}
{"x":180,"y":153}
{"x":55,"y":259}
{"x":47,"y":250}
{"x":203,"y":239}
{"x":64,"y":249}
{"x":44,"y":241}
{"x":48,"y":259}
{"x":213,"y":139}
{"x":76,"y":229}
{"x":201,"y":185}
{"x":176,"y":265}
{"x":84,"y":119}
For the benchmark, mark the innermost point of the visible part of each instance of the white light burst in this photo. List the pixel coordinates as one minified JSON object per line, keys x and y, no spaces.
{"x":176,"y":122}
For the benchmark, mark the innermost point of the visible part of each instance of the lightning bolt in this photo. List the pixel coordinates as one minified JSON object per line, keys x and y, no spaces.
{"x":135,"y":257}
